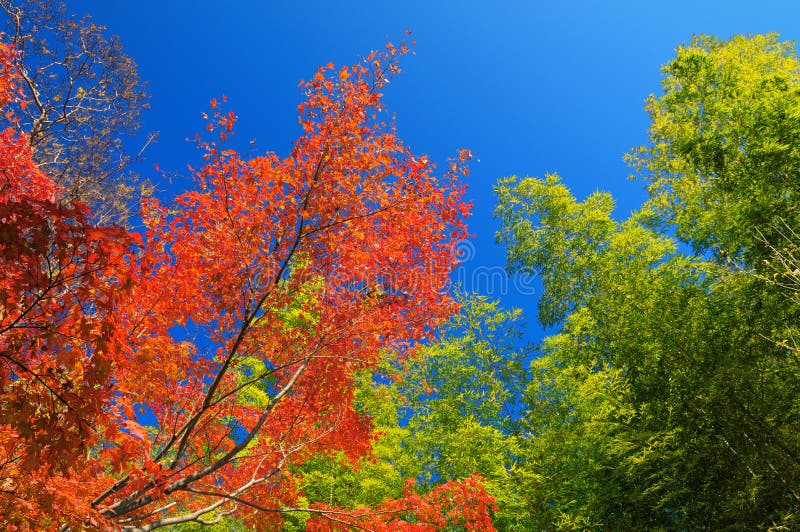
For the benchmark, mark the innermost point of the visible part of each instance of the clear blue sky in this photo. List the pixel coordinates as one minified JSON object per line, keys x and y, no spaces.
{"x":530,"y":87}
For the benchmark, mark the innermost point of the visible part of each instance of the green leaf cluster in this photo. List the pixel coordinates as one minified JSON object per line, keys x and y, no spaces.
{"x":724,"y":156}
{"x":451,"y":410}
{"x":667,"y":398}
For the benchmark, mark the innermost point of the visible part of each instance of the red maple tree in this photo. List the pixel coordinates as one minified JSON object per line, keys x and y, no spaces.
{"x":148,"y":380}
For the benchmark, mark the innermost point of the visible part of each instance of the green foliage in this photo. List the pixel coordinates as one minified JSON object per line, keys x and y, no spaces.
{"x":667,"y":399}
{"x":661,"y":402}
{"x":449,"y":411}
{"x":210,"y":523}
{"x":461,"y":400}
{"x":474,"y":369}
{"x":725,"y":153}
{"x":301,"y":312}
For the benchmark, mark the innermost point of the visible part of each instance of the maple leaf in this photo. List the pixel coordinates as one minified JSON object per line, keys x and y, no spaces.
{"x":235,"y":324}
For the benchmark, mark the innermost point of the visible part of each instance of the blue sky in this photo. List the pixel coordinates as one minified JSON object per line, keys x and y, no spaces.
{"x":529,"y":87}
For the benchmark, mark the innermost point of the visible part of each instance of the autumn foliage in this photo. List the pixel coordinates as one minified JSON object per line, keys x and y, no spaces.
{"x":177,"y":375}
